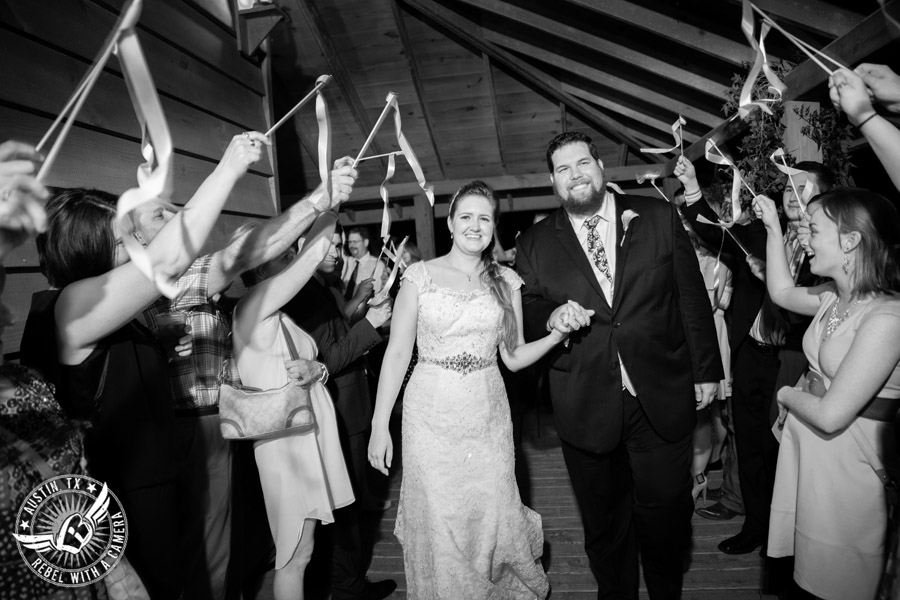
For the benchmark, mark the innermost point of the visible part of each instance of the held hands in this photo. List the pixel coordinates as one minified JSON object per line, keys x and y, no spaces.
{"x":305,"y":372}
{"x":343,"y":177}
{"x":569,"y":317}
{"x":244,"y":150}
{"x":882,"y":83}
{"x":848,"y":92}
{"x":764,"y":207}
{"x":704,"y":393}
{"x":381,"y":449}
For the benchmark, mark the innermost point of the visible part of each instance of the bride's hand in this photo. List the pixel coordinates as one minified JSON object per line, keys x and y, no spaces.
{"x":381,"y":450}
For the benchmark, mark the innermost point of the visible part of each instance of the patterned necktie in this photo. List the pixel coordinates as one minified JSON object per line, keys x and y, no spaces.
{"x":595,"y":247}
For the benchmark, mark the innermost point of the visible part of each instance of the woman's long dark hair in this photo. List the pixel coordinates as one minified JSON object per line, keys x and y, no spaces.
{"x":491,"y":274}
{"x":79,"y":241}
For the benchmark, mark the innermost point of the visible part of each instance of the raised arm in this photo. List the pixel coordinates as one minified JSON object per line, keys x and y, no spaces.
{"x":267,"y":297}
{"x":275,"y":236}
{"x":393,"y":369}
{"x":872,"y":358}
{"x":780,"y":284}
{"x":849,"y":93}
{"x":92,"y":308}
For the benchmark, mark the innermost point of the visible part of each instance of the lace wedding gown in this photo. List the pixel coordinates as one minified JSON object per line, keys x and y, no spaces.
{"x":464,"y":530}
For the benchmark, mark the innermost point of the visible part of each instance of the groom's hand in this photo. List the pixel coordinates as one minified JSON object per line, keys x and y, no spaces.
{"x":704,"y":393}
{"x":569,"y":317}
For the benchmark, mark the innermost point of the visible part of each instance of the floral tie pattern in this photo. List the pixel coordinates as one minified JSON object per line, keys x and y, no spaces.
{"x":595,"y":247}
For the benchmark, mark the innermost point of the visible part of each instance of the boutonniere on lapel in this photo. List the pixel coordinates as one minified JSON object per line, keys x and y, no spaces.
{"x":627,"y":217}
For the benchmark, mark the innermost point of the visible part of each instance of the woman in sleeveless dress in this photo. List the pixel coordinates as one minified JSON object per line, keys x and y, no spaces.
{"x":829,"y":506}
{"x":464,"y":530}
{"x":303,"y":476}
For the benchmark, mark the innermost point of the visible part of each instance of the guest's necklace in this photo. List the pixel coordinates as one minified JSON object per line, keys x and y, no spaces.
{"x":467,"y":274}
{"x":834,"y":321}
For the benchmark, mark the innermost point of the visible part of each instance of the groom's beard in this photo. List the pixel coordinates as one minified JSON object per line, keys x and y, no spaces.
{"x":585,"y":204}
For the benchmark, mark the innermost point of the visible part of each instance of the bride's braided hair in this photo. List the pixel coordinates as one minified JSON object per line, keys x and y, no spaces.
{"x":491,"y":275}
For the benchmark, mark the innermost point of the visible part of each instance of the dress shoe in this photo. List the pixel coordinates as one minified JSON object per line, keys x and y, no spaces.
{"x":742,"y":543}
{"x":714,"y":494}
{"x":378,"y":590}
{"x":717,"y":512}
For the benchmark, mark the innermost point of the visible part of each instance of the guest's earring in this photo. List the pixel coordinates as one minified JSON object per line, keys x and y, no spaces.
{"x":846,"y":265}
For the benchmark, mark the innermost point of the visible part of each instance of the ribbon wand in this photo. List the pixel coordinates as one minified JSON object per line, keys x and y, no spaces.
{"x":705,"y":221}
{"x":390,"y":98}
{"x":321,"y":82}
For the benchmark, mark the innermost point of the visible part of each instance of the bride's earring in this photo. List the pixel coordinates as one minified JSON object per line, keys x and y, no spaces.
{"x":846,"y":264}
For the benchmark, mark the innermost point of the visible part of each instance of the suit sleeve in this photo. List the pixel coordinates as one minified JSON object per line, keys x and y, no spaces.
{"x":338,"y":354}
{"x":696,"y":313}
{"x":535,"y":308}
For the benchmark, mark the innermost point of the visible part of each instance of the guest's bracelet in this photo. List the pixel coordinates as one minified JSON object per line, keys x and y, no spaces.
{"x":323,"y":378}
{"x":693,"y":196}
{"x":866,"y":120}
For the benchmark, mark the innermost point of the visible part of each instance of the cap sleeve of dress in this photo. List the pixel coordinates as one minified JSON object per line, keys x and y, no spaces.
{"x":416,"y":274}
{"x":511,"y":278}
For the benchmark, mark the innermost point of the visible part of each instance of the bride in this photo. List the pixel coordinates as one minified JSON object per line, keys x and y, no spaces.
{"x":464,"y":530}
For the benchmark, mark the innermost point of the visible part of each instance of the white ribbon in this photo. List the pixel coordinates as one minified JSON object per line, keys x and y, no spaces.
{"x":715,"y":155}
{"x":746,"y":102}
{"x":810,"y":189}
{"x":676,"y":133}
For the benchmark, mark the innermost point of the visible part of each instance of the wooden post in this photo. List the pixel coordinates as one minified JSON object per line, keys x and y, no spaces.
{"x":424,"y":227}
{"x":795,"y":143}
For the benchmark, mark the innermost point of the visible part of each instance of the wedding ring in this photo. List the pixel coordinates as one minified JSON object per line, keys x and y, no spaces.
{"x":246,"y":134}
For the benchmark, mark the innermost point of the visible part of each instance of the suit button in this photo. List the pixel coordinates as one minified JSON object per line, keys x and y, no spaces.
{"x":616,"y":324}
{"x":614,"y":365}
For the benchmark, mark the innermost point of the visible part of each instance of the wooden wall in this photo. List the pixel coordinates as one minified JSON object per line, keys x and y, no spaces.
{"x":209,"y":93}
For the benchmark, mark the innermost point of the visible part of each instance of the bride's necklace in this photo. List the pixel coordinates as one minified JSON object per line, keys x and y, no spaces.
{"x":466,"y":273}
{"x":834,"y":321}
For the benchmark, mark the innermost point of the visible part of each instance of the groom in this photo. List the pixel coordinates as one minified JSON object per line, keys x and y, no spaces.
{"x":626,"y":385}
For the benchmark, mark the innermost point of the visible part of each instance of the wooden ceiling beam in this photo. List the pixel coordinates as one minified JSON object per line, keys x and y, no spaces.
{"x":626,"y":111}
{"x":813,"y":15}
{"x":680,"y":32}
{"x":586,"y":39}
{"x":417,"y":82}
{"x":498,"y":124}
{"x":342,"y":77}
{"x":471,"y":35}
{"x":870,"y":35}
{"x":664,"y":102}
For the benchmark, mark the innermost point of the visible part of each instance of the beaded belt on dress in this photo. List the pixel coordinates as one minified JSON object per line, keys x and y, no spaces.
{"x":464,"y":363}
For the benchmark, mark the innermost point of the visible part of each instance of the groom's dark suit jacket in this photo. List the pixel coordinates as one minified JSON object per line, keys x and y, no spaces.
{"x":660,"y":323}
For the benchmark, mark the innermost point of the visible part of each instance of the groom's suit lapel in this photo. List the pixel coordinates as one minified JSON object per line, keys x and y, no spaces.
{"x":624,"y":242}
{"x":566,"y":236}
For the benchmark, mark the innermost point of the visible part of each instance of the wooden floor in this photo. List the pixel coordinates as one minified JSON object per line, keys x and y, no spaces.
{"x":712,"y":575}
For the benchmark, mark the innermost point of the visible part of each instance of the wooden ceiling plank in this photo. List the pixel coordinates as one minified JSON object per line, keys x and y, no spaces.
{"x":629,"y":112}
{"x":417,"y":83}
{"x":583,"y":38}
{"x":870,"y":35}
{"x":664,"y":102}
{"x":677,"y":31}
{"x":472,"y":35}
{"x":489,"y":77}
{"x":814,"y":15}
{"x":342,"y":77}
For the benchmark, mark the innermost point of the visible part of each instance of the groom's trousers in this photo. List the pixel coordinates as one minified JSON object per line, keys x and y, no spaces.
{"x":636,"y":498}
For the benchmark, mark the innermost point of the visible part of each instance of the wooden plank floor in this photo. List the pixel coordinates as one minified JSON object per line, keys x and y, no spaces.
{"x":712,"y":574}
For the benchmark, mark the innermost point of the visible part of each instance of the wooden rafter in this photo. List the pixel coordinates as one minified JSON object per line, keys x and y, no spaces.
{"x":664,"y":102}
{"x":870,"y":35}
{"x":678,"y":31}
{"x":417,"y":82}
{"x":498,"y":124}
{"x":342,"y":77}
{"x":583,"y":38}
{"x":472,"y":36}
{"x":627,"y":111}
{"x":813,"y":15}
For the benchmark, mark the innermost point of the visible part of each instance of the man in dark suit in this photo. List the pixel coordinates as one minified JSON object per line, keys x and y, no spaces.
{"x":765,"y":346}
{"x":341,"y":348}
{"x":626,"y":386}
